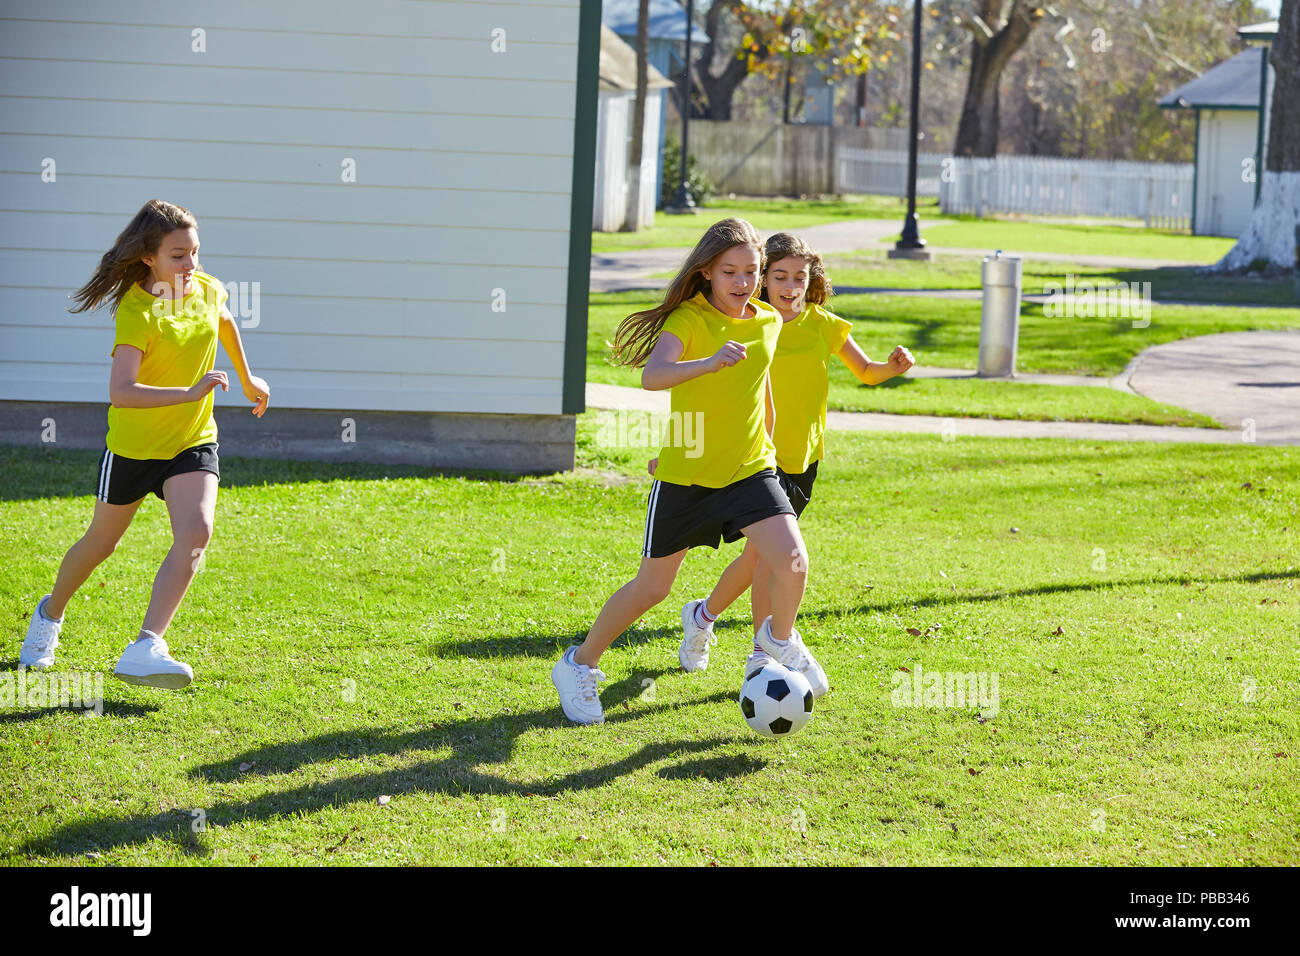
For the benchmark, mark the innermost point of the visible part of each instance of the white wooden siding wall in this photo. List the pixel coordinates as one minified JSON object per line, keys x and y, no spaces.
{"x":375,"y":294}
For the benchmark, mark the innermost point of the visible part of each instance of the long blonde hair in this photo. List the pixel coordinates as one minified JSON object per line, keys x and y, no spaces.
{"x":636,"y":335}
{"x":122,"y":266}
{"x":783,"y":245}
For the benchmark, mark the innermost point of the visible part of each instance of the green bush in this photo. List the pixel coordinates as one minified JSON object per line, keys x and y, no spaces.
{"x":701,"y":187}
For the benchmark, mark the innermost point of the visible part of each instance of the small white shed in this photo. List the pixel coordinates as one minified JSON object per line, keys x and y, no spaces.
{"x":1231,"y":134}
{"x":407,"y":185}
{"x":614,"y":134}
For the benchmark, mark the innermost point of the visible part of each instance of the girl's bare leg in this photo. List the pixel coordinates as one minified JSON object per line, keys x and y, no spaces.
{"x":107,"y":526}
{"x":735,"y":580}
{"x":191,"y":503}
{"x":652,"y":584}
{"x":781,"y":550}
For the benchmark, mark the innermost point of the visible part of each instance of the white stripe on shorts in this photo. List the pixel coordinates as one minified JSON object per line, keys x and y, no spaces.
{"x":105,"y":470}
{"x":650,"y":518}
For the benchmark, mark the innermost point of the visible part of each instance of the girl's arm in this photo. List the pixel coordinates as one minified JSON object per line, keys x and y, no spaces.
{"x":255,"y":389}
{"x":873,"y":373}
{"x":662,"y":370}
{"x":125,"y":392}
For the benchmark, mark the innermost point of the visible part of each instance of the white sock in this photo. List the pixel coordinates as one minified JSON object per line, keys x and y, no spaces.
{"x":144,"y":633}
{"x":702,"y":616}
{"x":41,"y":609}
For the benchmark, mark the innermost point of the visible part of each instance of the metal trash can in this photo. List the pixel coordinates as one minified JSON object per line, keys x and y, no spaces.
{"x":1000,"y":316}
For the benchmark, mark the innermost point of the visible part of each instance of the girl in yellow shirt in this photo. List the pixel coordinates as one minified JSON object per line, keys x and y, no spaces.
{"x":711,"y":343}
{"x":795,"y":283}
{"x":161,"y":434}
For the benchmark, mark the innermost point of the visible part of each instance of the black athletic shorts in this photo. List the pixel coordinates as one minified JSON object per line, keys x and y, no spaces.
{"x":126,"y":480}
{"x":692,"y":516}
{"x":798,"y":488}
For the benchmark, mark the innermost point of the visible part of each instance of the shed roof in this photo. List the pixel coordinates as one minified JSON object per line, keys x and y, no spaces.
{"x":667,"y":20}
{"x":618,"y":65}
{"x":1259,"y":31}
{"x":1232,"y":84}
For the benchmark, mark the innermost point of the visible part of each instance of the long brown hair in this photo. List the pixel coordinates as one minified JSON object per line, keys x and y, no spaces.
{"x":784,"y":244}
{"x":636,"y":335}
{"x":122,"y":267}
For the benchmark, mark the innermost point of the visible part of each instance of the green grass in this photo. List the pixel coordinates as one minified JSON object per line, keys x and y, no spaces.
{"x":767,"y":215}
{"x":952,"y":271}
{"x":360,"y":632}
{"x":945,"y":333}
{"x":1075,"y":239}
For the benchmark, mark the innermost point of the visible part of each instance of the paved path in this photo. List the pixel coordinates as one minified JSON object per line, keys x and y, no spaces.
{"x":1249,"y":382}
{"x":1234,"y":377}
{"x":636,"y":399}
{"x":622,"y":271}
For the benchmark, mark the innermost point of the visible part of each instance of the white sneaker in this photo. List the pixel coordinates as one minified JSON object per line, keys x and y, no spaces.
{"x":579,"y":695}
{"x":694,"y":650}
{"x":148,"y":663}
{"x":42,"y":638}
{"x":794,"y":655}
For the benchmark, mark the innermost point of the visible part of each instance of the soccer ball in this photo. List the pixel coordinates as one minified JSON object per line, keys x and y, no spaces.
{"x":775,"y":700}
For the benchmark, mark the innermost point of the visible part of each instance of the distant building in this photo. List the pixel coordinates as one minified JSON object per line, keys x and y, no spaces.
{"x":614,"y":134}
{"x":1231,"y":133}
{"x":666,"y":51}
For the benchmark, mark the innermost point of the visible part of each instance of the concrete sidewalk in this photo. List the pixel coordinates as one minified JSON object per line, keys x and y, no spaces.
{"x":1243,"y":380}
{"x":1249,"y":382}
{"x":625,"y":271}
{"x":613,"y":397}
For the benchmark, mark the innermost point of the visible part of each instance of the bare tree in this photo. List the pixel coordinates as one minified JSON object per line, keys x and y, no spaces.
{"x":997,"y":38}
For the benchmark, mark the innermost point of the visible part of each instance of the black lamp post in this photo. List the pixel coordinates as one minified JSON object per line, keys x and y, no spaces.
{"x":910,"y":245}
{"x":683,"y":202}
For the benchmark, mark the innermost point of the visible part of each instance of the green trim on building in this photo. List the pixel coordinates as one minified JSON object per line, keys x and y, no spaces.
{"x":1259,"y":132}
{"x":574,"y":400}
{"x":1196,"y":168}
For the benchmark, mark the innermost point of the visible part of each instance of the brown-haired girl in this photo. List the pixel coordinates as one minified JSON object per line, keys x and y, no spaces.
{"x":795,"y":283}
{"x":161,"y":434}
{"x":711,"y":343}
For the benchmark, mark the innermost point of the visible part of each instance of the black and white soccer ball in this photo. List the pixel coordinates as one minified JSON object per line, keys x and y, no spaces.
{"x":775,"y":700}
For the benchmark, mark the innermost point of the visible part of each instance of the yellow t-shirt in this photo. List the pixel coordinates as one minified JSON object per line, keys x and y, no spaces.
{"x":179,"y":340}
{"x":715,"y":434}
{"x":800,"y":381}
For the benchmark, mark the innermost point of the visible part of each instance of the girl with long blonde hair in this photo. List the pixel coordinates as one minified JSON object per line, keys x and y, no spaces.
{"x":711,"y":343}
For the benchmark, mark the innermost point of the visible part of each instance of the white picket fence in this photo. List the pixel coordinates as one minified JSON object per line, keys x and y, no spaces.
{"x":883,"y":172}
{"x":1160,"y":194}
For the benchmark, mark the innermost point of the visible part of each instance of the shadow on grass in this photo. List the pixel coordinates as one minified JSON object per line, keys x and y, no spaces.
{"x":472,"y":742}
{"x":111,"y":708}
{"x":35,"y":473}
{"x":986,"y":596}
{"x":526,"y":647}
{"x":540,"y":646}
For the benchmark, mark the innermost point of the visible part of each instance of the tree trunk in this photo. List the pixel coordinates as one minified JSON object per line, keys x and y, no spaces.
{"x":633,"y":220}
{"x":1271,"y":233}
{"x":977,"y":131}
{"x":719,"y":89}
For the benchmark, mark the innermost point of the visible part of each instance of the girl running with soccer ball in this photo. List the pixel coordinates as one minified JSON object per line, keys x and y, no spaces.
{"x":795,"y":283}
{"x":161,"y":434}
{"x":711,"y":343}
